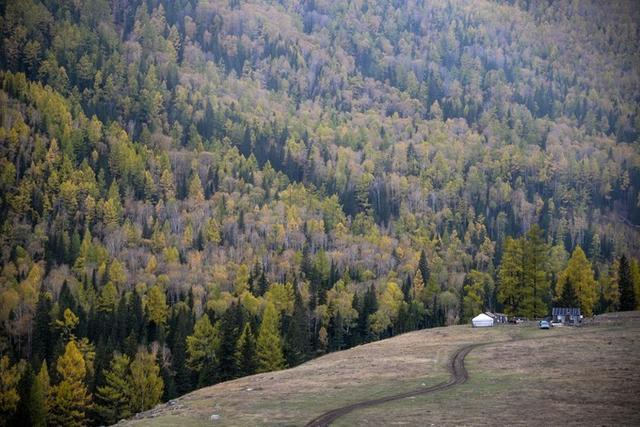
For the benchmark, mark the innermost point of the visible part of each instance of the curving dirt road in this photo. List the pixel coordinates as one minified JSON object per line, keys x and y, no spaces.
{"x":459,"y":376}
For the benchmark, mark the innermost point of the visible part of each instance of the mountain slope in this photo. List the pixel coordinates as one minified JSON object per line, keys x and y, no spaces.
{"x":511,"y":377}
{"x":171,"y":169}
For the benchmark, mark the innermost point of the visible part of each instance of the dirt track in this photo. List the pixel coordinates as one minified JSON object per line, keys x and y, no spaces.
{"x":459,"y":376}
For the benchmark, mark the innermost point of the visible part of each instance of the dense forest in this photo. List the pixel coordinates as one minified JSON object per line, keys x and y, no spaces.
{"x":197,"y":190}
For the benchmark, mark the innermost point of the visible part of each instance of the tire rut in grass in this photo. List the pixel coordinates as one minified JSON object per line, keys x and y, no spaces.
{"x":459,"y":376}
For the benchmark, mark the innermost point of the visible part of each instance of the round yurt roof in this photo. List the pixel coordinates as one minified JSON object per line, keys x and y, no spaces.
{"x":482,"y":316}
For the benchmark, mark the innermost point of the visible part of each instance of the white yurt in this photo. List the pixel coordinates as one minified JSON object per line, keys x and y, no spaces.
{"x":482,"y":321}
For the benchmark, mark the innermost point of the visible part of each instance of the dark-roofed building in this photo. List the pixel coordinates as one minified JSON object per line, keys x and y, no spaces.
{"x":566,"y":315}
{"x":497,"y":317}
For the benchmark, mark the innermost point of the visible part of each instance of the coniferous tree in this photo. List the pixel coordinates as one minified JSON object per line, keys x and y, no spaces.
{"x":145,"y":382}
{"x":569,"y":297}
{"x":157,"y":311}
{"x":113,"y":398}
{"x":135,"y":318}
{"x":22,"y":416}
{"x":230,"y":325}
{"x":42,"y":337}
{"x":269,"y":346}
{"x":9,"y":380}
{"x":181,"y":381}
{"x":336,"y":333}
{"x":202,"y":348}
{"x":580,"y":273}
{"x":296,"y":345}
{"x":245,"y":355}
{"x":39,"y":397}
{"x":513,"y":292}
{"x":369,"y":306}
{"x":355,"y":338}
{"x":70,"y":399}
{"x":536,"y":272}
{"x":423,"y":266}
{"x":625,"y":286}
{"x":263,"y":284}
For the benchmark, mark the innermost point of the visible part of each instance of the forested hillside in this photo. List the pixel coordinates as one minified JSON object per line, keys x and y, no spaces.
{"x":192,"y":191}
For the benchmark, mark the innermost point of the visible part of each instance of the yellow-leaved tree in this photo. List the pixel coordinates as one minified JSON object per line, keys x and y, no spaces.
{"x":9,"y":397}
{"x":70,"y":399}
{"x":580,"y":273}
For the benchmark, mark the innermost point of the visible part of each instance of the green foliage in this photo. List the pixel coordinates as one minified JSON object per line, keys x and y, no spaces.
{"x":477,"y":292}
{"x":114,"y":397}
{"x":523,"y":275}
{"x":39,"y":397}
{"x":67,"y":325}
{"x":625,"y":284}
{"x":145,"y":382}
{"x":569,"y":298}
{"x":203,"y":345}
{"x":269,"y":345}
{"x":245,"y":355}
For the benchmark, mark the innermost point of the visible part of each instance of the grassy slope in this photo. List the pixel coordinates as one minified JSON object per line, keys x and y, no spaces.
{"x":582,"y":375}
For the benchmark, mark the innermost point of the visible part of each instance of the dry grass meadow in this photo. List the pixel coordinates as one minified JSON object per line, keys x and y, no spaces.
{"x":523,"y":376}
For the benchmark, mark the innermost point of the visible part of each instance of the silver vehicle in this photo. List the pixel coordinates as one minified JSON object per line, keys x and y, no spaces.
{"x":544,"y":324}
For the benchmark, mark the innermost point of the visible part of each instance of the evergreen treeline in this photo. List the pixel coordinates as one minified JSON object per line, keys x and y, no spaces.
{"x":194,"y":191}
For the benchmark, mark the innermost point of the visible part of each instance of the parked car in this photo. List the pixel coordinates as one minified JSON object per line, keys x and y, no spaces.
{"x":544,"y":324}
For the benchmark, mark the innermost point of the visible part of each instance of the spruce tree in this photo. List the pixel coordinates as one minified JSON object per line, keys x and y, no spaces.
{"x":22,"y":416}
{"x":113,"y":398}
{"x":336,"y":333}
{"x":42,"y":336}
{"x":407,"y":286}
{"x":569,"y":297}
{"x":245,"y":355}
{"x":39,"y":397}
{"x":296,"y":345}
{"x":423,"y":266}
{"x":625,"y":285}
{"x":369,"y":306}
{"x":263,"y":284}
{"x":135,"y":318}
{"x":269,"y":346}
{"x":355,"y":338}
{"x":230,"y":325}
{"x":181,"y":381}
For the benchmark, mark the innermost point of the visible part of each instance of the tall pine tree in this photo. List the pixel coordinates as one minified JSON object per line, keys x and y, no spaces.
{"x":269,"y":345}
{"x":113,"y":398}
{"x":625,"y":285}
{"x":245,"y":355}
{"x":536,"y":272}
{"x":39,"y":397}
